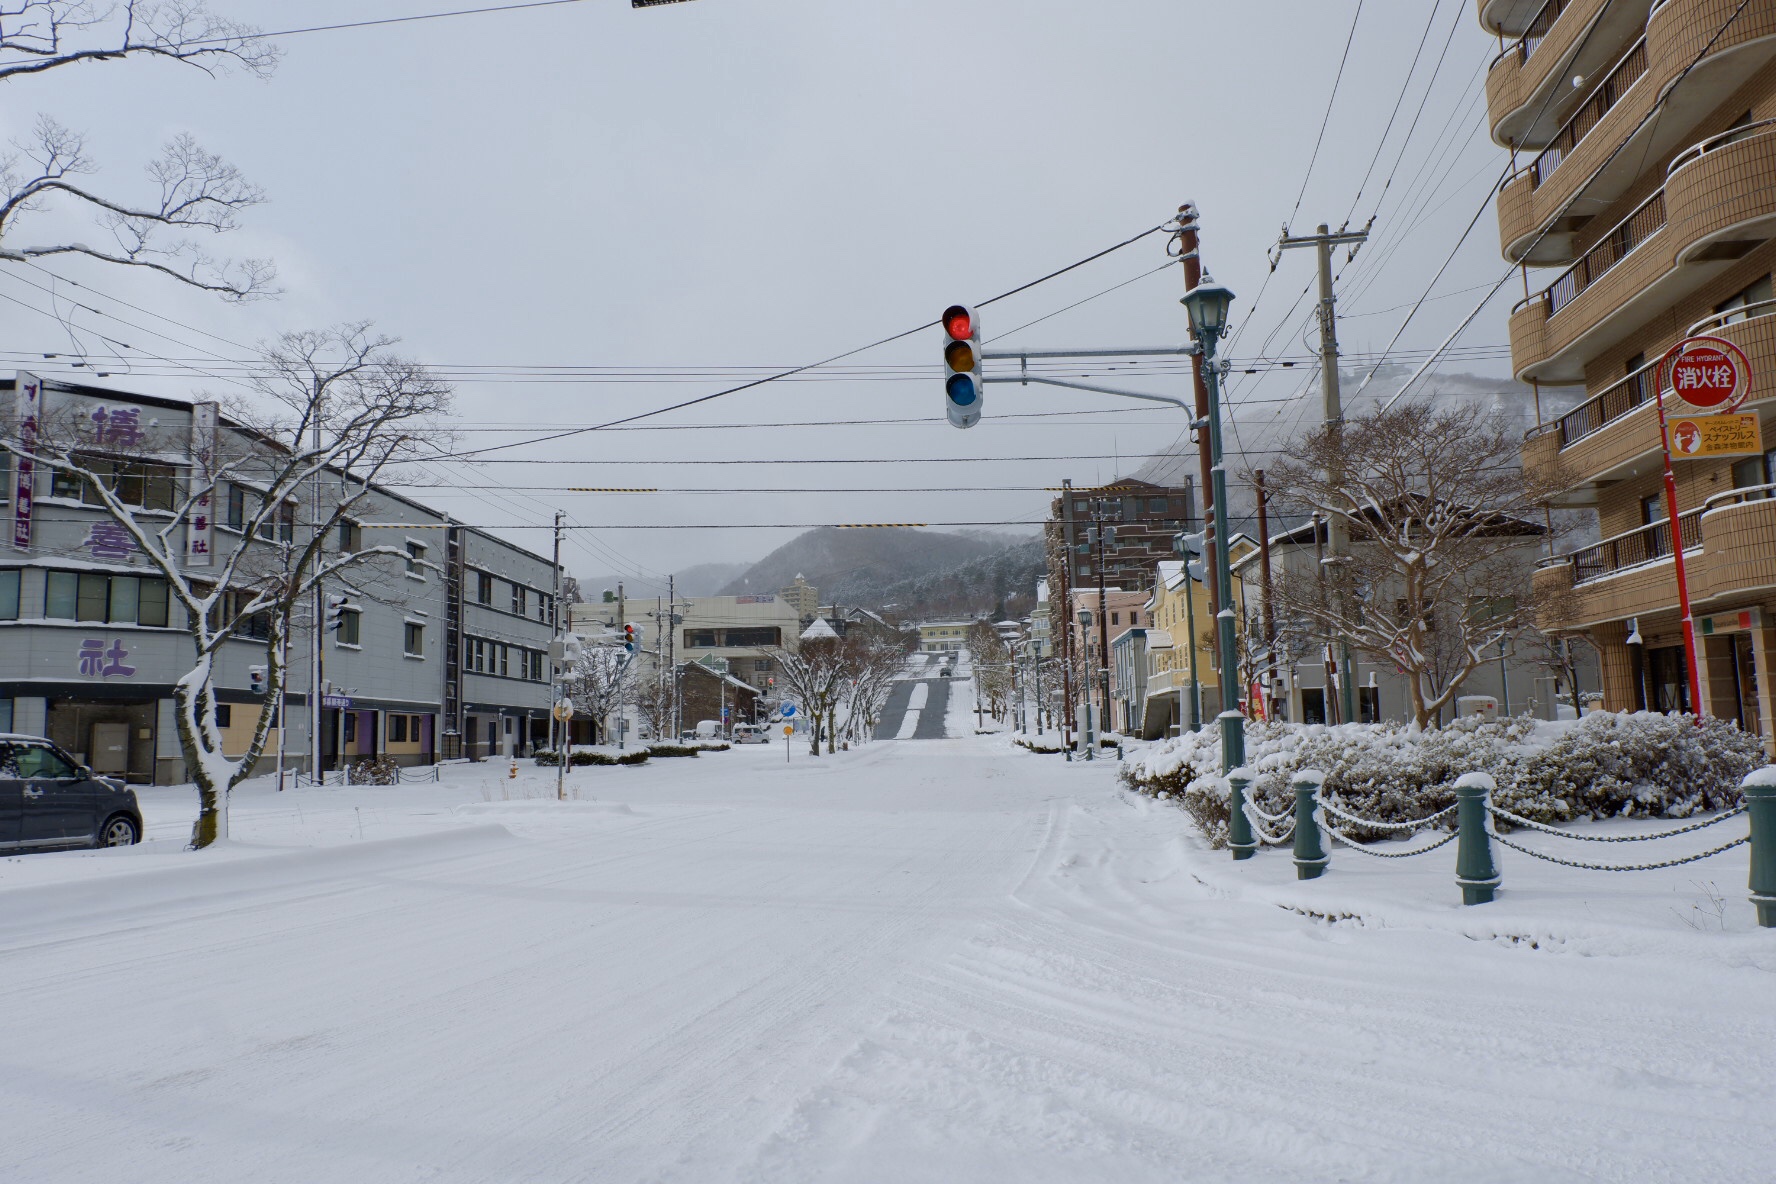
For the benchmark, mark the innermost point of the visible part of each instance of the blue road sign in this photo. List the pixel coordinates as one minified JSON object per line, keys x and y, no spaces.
{"x":788,"y":710}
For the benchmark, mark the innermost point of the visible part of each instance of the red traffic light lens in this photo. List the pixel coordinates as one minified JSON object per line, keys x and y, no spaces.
{"x":959,"y":356}
{"x":958,"y":322}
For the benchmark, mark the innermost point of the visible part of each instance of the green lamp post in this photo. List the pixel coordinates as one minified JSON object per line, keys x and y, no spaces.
{"x":1207,"y":305}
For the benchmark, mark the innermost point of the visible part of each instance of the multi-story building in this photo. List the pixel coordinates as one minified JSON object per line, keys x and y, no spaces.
{"x":940,"y":637}
{"x":1178,"y":603}
{"x":1146,"y":517}
{"x":91,"y":643}
{"x":499,"y":697}
{"x":1648,"y":191}
{"x":742,"y":632}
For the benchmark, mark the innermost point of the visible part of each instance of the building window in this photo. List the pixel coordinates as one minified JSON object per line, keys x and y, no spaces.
{"x":1755,"y":470}
{"x":5,"y":715}
{"x":1156,"y":505}
{"x":350,"y":631}
{"x":483,"y":589}
{"x":415,"y":640}
{"x":761,"y":666}
{"x":505,"y":661}
{"x":700,"y":639}
{"x":474,"y":654}
{"x":237,"y":508}
{"x":351,"y":727}
{"x":758,"y":636}
{"x":544,"y":606}
{"x":518,"y":591}
{"x":1116,"y":618}
{"x":136,"y":483}
{"x":9,"y":595}
{"x":1736,"y":308}
{"x":397,"y":729}
{"x":351,"y":538}
{"x":224,"y":715}
{"x":415,"y":558}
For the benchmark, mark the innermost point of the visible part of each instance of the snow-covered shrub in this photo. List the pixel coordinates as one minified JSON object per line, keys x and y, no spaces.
{"x":584,"y":757}
{"x":673,"y":749}
{"x":1606,"y":765}
{"x":1037,"y":747}
{"x":375,"y":770}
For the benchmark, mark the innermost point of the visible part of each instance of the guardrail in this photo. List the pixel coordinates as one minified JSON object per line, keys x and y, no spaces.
{"x":1475,"y":829}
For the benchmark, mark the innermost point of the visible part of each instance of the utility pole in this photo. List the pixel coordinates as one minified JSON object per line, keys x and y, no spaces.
{"x":1270,"y":628}
{"x":1190,"y":255}
{"x":672,"y":654}
{"x":1066,"y":613}
{"x":1190,"y":641}
{"x":1102,"y":534}
{"x":319,"y":608}
{"x":1337,"y":535}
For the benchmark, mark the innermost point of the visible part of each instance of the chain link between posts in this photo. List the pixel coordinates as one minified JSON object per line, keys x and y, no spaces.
{"x":1619,"y":867}
{"x":1356,"y":846}
{"x":1253,"y":816}
{"x":1531,"y":824}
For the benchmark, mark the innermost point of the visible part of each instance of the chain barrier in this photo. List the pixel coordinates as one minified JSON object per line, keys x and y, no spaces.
{"x":1620,"y":867}
{"x":1356,"y":820}
{"x":1253,"y":814}
{"x":1356,"y":846}
{"x":1530,"y":824}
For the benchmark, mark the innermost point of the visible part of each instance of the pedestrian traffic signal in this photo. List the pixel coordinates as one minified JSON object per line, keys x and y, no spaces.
{"x":962,"y":366}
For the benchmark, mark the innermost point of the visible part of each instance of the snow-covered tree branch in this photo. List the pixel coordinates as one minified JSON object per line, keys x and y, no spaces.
{"x":41,"y":35}
{"x":1442,"y":538}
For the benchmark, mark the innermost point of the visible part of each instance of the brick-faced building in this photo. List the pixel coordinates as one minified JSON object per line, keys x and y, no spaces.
{"x":1646,"y":136}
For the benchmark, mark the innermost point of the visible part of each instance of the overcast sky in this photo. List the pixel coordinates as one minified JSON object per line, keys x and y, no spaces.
{"x":748,"y":183}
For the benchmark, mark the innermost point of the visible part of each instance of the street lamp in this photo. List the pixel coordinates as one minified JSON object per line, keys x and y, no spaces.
{"x":1207,"y":305}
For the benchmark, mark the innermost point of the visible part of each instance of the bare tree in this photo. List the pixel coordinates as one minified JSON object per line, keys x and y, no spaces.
{"x":336,"y":410}
{"x":815,"y":675}
{"x":875,"y":663}
{"x":192,"y":192}
{"x":991,"y":660}
{"x":599,"y":682}
{"x":1442,"y":539}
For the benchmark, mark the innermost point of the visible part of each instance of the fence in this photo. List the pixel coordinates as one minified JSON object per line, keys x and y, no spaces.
{"x":403,"y":776}
{"x":1475,"y":831}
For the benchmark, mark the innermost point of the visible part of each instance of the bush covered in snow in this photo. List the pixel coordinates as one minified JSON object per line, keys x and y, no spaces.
{"x":1607,"y":765}
{"x":674,"y":749}
{"x":375,"y":770}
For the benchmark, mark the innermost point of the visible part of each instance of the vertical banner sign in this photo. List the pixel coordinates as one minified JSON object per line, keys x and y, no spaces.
{"x":200,"y":525}
{"x":29,"y":390}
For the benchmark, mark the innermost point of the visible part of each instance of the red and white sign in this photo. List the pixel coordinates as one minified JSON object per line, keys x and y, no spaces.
{"x":200,"y":524}
{"x":1709,"y":372}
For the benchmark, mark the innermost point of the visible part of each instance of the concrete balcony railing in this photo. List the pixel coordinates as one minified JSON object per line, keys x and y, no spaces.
{"x":1718,"y":204}
{"x":1615,"y":433}
{"x":1694,"y":56}
{"x":1729,"y":547}
{"x":1508,"y":18}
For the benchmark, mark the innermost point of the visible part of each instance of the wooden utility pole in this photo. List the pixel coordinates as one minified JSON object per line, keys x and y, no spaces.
{"x":1189,"y":241}
{"x":1066,"y":591}
{"x":1270,"y":630}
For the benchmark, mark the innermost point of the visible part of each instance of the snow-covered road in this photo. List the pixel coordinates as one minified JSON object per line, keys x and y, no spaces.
{"x":943,"y":961}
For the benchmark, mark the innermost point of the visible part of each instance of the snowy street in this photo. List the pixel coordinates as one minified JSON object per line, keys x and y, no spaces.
{"x":943,"y":960}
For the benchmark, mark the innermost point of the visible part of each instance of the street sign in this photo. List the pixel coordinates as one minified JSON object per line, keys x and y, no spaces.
{"x":564,"y":710}
{"x":1710,"y":372}
{"x":788,"y":730}
{"x":1695,"y":437}
{"x":341,"y":701}
{"x":788,"y":711}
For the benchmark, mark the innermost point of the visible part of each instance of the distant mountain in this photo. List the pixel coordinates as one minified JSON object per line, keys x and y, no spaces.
{"x":1002,"y":583}
{"x":708,"y":579}
{"x":919,"y":569}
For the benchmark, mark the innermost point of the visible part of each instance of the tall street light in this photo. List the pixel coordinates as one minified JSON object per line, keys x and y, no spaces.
{"x":1207,"y":306}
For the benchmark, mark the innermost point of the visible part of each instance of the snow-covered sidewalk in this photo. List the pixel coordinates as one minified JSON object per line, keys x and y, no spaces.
{"x":950,"y":960}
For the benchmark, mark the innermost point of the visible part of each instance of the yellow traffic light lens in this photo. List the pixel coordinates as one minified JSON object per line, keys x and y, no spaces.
{"x":959,"y":356}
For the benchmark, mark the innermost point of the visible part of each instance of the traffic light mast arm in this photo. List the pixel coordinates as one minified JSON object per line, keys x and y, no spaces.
{"x":1001,"y":355}
{"x":1025,"y":379}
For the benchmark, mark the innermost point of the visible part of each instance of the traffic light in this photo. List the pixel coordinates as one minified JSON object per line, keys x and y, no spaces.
{"x":962,"y":366}
{"x":337,"y":606}
{"x":256,"y":679}
{"x":631,"y":637}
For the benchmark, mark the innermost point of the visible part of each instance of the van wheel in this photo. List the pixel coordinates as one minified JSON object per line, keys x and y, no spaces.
{"x":119,"y":831}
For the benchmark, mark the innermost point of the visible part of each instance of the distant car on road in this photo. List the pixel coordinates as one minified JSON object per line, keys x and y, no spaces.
{"x":947,"y":672}
{"x":750,"y":734}
{"x":49,"y":801}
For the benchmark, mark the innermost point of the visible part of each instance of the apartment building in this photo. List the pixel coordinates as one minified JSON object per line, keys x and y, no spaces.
{"x":1643,"y":212}
{"x":91,"y":643}
{"x":499,"y":688}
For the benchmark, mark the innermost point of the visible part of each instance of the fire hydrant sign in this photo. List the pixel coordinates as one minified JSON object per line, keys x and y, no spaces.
{"x":1711,"y":373}
{"x":1696,"y":437}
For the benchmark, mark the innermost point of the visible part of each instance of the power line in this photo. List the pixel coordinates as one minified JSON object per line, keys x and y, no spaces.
{"x":391,"y":20}
{"x":813,"y":365}
{"x":1331,"y":100}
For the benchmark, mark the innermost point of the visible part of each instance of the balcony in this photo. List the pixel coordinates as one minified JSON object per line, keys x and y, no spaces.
{"x":1614,"y":435}
{"x":1508,"y":18}
{"x":1729,"y":545}
{"x":1528,"y":87}
{"x":1718,"y":204}
{"x":1695,"y":55}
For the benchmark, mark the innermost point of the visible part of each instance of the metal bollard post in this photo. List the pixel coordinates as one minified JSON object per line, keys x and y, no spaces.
{"x":1310,"y":854}
{"x":1239,"y":827}
{"x":1474,"y":869}
{"x":1759,"y":787}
